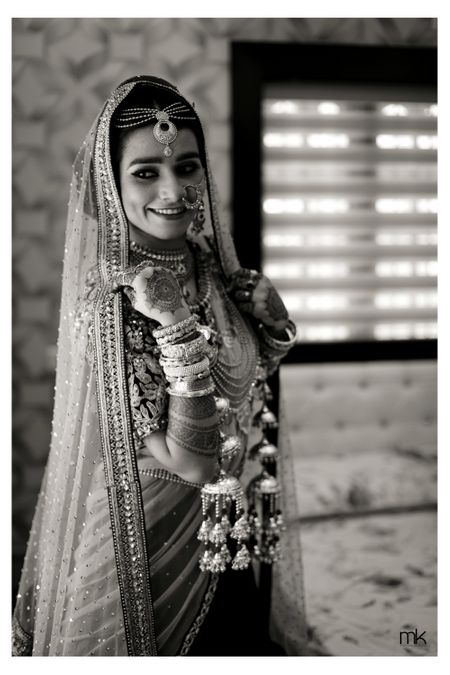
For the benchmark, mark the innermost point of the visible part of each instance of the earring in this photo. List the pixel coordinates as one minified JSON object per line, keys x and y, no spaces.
{"x":199,"y":218}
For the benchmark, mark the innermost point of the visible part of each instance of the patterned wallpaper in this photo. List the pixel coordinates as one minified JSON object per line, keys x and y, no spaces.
{"x":63,"y":69}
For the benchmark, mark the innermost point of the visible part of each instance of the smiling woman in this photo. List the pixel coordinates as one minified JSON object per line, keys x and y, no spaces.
{"x":164,"y":349}
{"x":153,"y":187}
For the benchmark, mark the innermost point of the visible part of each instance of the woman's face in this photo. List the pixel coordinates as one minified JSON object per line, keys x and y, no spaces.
{"x":152,"y":185}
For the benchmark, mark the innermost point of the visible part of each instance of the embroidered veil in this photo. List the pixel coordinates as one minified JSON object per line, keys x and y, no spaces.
{"x":86,"y":585}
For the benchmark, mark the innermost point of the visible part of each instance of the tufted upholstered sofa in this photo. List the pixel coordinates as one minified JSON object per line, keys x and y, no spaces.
{"x":364,"y":442}
{"x":363,"y":434}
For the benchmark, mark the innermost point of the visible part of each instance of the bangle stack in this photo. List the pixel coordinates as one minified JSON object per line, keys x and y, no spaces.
{"x":176,"y":331}
{"x":185,"y":358}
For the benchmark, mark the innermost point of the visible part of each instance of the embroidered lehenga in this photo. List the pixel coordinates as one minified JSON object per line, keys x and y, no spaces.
{"x":112,"y":563}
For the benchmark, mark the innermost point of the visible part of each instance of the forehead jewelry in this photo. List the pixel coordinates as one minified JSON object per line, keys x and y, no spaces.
{"x":164,"y":130}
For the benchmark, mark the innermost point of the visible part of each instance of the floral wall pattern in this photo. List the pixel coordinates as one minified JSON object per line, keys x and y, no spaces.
{"x":63,"y":69}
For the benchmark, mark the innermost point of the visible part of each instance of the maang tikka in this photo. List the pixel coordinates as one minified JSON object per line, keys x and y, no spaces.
{"x":164,"y":131}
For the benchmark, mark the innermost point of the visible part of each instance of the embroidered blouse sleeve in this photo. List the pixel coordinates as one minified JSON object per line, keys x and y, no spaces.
{"x":146,"y":380}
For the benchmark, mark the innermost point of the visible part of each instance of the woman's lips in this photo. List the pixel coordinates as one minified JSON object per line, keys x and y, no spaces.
{"x":170,"y":213}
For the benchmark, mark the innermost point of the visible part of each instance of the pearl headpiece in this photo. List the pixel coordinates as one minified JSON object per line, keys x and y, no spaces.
{"x":164,"y":130}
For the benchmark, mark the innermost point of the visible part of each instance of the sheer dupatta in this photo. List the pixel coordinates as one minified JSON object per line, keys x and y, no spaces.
{"x":86,"y":585}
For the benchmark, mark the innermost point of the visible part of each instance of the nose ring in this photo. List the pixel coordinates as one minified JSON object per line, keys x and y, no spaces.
{"x":198,"y":197}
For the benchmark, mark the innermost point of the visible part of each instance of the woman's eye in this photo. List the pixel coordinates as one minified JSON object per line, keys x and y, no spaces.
{"x":187,"y":168}
{"x":144,"y":173}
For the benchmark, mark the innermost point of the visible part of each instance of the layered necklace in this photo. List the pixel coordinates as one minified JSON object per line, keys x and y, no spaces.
{"x":234,"y":369}
{"x":180,"y":261}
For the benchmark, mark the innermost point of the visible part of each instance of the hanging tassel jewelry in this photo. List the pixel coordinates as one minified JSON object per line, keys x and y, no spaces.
{"x":225,"y":524}
{"x":264,"y":493}
{"x":224,"y":519}
{"x":267,"y":521}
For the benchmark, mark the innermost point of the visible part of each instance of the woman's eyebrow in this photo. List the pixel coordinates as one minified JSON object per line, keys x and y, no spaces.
{"x":159,"y":160}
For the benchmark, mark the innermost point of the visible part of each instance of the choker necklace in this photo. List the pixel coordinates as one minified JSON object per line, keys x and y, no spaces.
{"x":180,"y":260}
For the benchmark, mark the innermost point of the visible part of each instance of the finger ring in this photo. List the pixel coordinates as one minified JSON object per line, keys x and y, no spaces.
{"x":243,"y":295}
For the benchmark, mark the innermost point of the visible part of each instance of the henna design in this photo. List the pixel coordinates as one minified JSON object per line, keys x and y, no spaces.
{"x":164,"y":292}
{"x":185,"y":428}
{"x":202,"y":441}
{"x":275,"y":305}
{"x":200,"y":407}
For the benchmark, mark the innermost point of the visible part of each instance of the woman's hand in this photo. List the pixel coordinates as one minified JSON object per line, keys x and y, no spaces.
{"x":255,"y":294}
{"x":155,"y":293}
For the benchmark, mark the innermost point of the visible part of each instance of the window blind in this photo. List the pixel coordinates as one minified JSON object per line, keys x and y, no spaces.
{"x":349,"y":214}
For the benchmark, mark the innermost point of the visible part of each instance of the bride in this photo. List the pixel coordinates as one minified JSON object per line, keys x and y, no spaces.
{"x":159,"y":503}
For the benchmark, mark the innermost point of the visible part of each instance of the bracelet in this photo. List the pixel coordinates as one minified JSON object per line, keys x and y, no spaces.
{"x":184,"y":350}
{"x":177,"y":363}
{"x":189,"y":378}
{"x":191,"y":394}
{"x":181,"y":326}
{"x":279,"y":345}
{"x":194,"y":384}
{"x":186,"y":371}
{"x":174,"y":338}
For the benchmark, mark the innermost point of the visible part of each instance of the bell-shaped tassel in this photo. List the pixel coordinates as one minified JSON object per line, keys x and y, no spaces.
{"x":222,"y":407}
{"x":226,"y":555}
{"x":241,"y":528}
{"x":205,"y":529}
{"x":217,"y":534}
{"x":242,"y":559}
{"x":225,"y":522}
{"x":268,"y":419}
{"x":264,"y":498}
{"x":267,"y":452}
{"x":267,"y":392}
{"x":218,"y":563}
{"x":280,"y":521}
{"x":254,"y":522}
{"x":205,"y":561}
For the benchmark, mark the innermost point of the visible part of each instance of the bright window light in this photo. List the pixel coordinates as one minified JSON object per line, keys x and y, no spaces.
{"x":283,"y":108}
{"x":395,"y":141}
{"x":388,"y":268}
{"x":325,"y":333}
{"x":426,"y":142}
{"x":327,"y":205}
{"x":275,"y":206}
{"x":426,"y":268}
{"x":426,"y":205}
{"x":427,"y":239}
{"x":283,"y":240}
{"x":328,"y":108}
{"x":394,"y":205}
{"x":394,"y":110}
{"x":283,"y":140}
{"x":328,"y":140}
{"x":405,"y":300}
{"x":284,"y":270}
{"x":326,"y":270}
{"x":393,"y":331}
{"x":431,"y":110}
{"x":394,"y":239}
{"x":406,"y":239}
